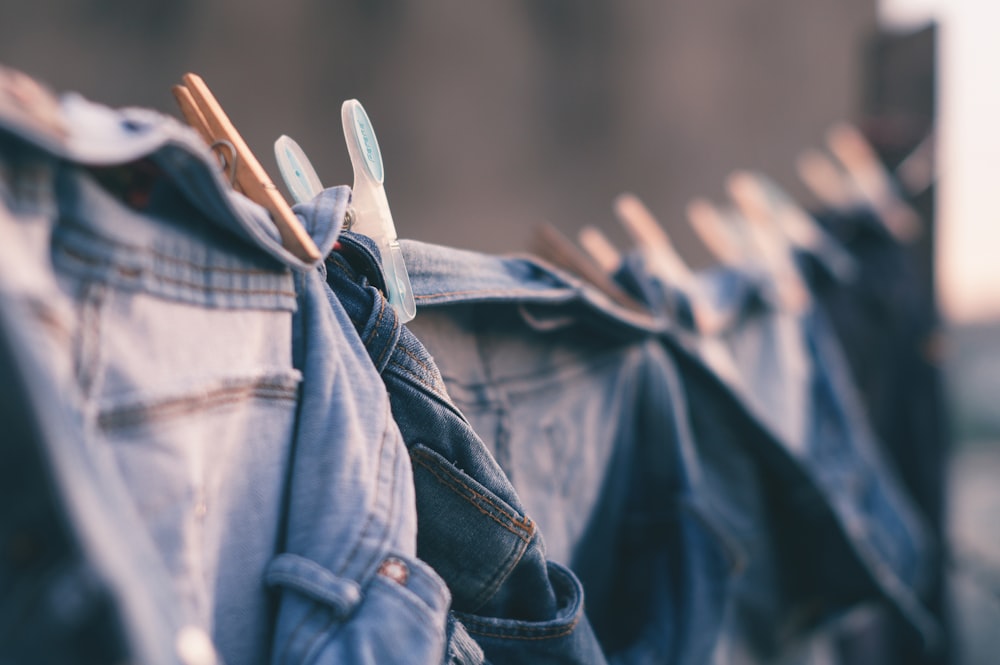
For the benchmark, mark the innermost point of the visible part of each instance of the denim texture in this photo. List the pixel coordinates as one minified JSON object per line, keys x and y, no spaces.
{"x":888,"y":328}
{"x":351,"y":587}
{"x":75,"y":585}
{"x":579,"y":405}
{"x":227,"y":397}
{"x":792,"y":359}
{"x":472,"y":527}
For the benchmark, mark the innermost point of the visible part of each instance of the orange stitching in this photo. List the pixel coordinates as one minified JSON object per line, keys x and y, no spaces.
{"x":506,"y":292}
{"x":455,"y":482}
{"x":416,"y":358}
{"x":381,"y":311}
{"x":483,"y":631}
{"x":133,"y":415}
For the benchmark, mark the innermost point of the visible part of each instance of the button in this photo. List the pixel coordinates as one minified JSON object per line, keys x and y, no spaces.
{"x":395,"y":569}
{"x":194,"y":647}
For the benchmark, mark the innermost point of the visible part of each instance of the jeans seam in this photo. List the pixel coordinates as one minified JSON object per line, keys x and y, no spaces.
{"x":371,"y":514}
{"x":378,"y":321}
{"x":404,"y":370}
{"x":166,"y":257}
{"x":388,"y":347}
{"x":520,"y":294}
{"x":477,"y":627}
{"x":133,"y":415}
{"x":416,"y":359}
{"x":524,"y":534}
{"x":129,"y":274}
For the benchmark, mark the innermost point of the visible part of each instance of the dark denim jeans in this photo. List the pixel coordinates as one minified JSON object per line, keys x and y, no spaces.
{"x":802,"y":421}
{"x":890,"y":333}
{"x":471,"y":526}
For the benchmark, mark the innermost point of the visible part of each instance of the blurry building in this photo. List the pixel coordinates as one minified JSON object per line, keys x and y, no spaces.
{"x":492,"y":117}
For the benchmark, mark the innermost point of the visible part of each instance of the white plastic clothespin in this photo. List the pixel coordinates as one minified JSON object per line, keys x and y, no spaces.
{"x":296,"y":170}
{"x":369,"y":210}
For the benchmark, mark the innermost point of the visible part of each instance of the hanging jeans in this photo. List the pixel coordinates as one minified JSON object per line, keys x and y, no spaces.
{"x":764,"y":357}
{"x":581,"y":408}
{"x":231,"y":401}
{"x":472,"y":529}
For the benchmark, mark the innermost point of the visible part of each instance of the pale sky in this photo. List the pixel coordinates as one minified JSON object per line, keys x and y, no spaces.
{"x":968,"y":150}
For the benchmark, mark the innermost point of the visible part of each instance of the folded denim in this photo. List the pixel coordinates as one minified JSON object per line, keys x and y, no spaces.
{"x":234,"y":399}
{"x":575,"y":402}
{"x":779,"y":358}
{"x":472,"y":528}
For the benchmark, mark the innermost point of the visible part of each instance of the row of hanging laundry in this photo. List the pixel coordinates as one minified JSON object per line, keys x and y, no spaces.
{"x":854,"y":259}
{"x":232,"y":441}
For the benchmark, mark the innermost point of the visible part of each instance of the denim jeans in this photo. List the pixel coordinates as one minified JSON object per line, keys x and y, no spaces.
{"x":232,"y":400}
{"x":887,"y":325}
{"x":471,"y":525}
{"x":785,"y":362}
{"x":75,"y":585}
{"x":351,"y":586}
{"x":580,"y":407}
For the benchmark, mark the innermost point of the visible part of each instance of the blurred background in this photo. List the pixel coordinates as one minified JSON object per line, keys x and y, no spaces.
{"x":495,"y":117}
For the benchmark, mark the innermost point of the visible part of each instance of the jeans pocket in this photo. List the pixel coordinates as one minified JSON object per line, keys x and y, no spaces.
{"x":470,"y":536}
{"x":206,"y":466}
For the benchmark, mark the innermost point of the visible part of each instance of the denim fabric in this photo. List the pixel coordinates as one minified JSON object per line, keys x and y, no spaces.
{"x":472,"y":528}
{"x":578,"y":404}
{"x":75,"y":585}
{"x":235,"y":404}
{"x":351,"y":587}
{"x":782,"y":358}
{"x":887,"y":326}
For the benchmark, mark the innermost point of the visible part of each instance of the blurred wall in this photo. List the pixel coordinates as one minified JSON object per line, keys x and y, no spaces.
{"x":491,"y":116}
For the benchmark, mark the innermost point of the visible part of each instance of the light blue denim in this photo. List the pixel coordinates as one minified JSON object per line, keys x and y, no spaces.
{"x":79,"y":582}
{"x":233,"y":403}
{"x":582,"y":408}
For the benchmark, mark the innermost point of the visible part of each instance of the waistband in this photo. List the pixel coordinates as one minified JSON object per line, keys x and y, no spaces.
{"x":549,"y":297}
{"x":78,"y":132}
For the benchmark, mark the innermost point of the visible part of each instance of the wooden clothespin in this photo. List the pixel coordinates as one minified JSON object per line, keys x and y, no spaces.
{"x":602,"y":250}
{"x":203,"y":112}
{"x":873,"y":180}
{"x":556,"y":248}
{"x":649,"y":236}
{"x":752,"y":200}
{"x":715,"y":232}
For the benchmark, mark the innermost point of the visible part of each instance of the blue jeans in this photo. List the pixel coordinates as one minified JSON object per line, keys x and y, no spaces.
{"x":786,"y":373}
{"x":471,"y":526}
{"x":228,"y":396}
{"x":582,"y":409}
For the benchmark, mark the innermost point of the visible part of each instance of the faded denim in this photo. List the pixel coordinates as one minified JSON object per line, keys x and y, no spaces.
{"x":583,"y":411}
{"x":472,"y":528}
{"x":232,"y":399}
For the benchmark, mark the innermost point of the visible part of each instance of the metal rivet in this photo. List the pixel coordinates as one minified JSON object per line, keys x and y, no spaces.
{"x":395,"y":570}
